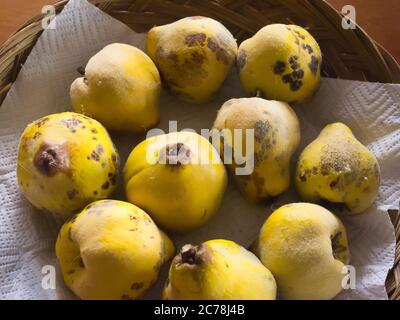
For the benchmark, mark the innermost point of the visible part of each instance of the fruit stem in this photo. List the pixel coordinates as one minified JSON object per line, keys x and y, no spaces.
{"x":51,"y":159}
{"x":193,"y":255}
{"x":176,"y":153}
{"x":81,"y":70}
{"x":337,"y":248}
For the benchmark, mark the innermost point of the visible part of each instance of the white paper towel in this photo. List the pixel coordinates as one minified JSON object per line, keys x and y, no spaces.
{"x":27,"y":236}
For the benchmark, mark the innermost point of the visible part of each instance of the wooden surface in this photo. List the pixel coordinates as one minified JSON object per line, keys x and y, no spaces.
{"x":378,"y":17}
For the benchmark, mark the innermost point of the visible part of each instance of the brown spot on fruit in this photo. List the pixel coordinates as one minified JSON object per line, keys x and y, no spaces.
{"x":112,"y":178}
{"x":308,"y":48}
{"x":114,"y":158}
{"x":212,"y":45}
{"x":95,"y":156}
{"x":72,"y":123}
{"x":105,"y":185}
{"x":334,"y":183}
{"x":287,"y":78}
{"x":71,"y":194}
{"x":298,"y":74}
{"x":303,"y":177}
{"x":71,"y":271}
{"x":36,"y":135}
{"x":299,"y":34}
{"x":126,"y":297}
{"x":313,"y":65}
{"x":279,"y":67}
{"x":41,"y":122}
{"x":340,"y":159}
{"x":241,"y":59}
{"x":94,"y":130}
{"x":314,"y":170}
{"x":52,"y":158}
{"x":220,"y":52}
{"x":296,"y":85}
{"x":197,"y":39}
{"x":293,"y":62}
{"x":197,"y":57}
{"x":137,"y":285}
{"x":260,"y":130}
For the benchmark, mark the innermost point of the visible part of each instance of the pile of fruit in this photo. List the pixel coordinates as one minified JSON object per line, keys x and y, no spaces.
{"x":110,"y":249}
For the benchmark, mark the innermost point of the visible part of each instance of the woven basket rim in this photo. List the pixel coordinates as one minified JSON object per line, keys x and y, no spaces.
{"x":30,"y":31}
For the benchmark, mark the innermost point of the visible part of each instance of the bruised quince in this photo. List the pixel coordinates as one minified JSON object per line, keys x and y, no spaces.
{"x":269,"y":134}
{"x":65,"y":161}
{"x":178,"y":178}
{"x":280,"y":62}
{"x":194,"y":56}
{"x":111,"y":250}
{"x":337,"y":168}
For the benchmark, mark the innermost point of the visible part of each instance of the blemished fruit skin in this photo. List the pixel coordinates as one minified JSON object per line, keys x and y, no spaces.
{"x":305,"y":247}
{"x":111,"y":250}
{"x":120,"y":88}
{"x":178,"y":178}
{"x":336,"y":167}
{"x":276,"y":137}
{"x":65,"y":161}
{"x":218,"y":270}
{"x":280,"y":62}
{"x":194,"y":56}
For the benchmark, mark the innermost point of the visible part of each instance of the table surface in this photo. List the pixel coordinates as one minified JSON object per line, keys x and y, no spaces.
{"x":379,"y":18}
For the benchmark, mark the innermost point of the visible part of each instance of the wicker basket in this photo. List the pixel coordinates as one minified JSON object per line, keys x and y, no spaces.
{"x":348,"y":54}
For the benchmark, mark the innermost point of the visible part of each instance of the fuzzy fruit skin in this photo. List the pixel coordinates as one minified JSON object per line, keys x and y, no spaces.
{"x":336,"y":167}
{"x":282,"y":62}
{"x":276,"y":137}
{"x":65,"y":161}
{"x":223,"y":271}
{"x":121,"y":89}
{"x":111,"y":250}
{"x":194,"y":56}
{"x":179,"y":197}
{"x":295,"y":244}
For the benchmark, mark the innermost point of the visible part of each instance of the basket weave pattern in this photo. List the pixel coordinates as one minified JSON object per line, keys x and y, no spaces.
{"x":348,"y":54}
